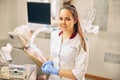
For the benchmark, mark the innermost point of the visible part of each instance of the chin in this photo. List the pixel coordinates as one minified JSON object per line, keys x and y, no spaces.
{"x":63,"y":29}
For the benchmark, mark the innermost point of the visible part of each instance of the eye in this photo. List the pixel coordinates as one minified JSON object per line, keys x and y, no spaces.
{"x":68,"y":19}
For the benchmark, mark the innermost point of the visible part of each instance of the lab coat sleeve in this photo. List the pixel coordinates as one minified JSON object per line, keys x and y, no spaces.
{"x":81,"y":62}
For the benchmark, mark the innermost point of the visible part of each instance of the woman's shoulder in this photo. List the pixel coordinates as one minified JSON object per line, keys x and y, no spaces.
{"x":55,"y":32}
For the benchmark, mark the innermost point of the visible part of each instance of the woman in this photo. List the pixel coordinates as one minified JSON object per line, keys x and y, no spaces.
{"x":69,"y":50}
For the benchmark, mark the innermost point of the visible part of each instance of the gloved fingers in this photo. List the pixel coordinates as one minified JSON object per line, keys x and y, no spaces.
{"x":50,"y":69}
{"x":43,"y":66}
{"x":46,"y":63}
{"x":45,"y":70}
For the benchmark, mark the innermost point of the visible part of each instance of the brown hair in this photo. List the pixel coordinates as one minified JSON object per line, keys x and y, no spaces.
{"x":77,"y":26}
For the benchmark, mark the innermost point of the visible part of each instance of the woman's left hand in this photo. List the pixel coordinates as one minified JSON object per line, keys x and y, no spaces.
{"x":49,"y":68}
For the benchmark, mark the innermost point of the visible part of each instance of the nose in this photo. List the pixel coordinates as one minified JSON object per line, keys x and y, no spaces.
{"x":63,"y":22}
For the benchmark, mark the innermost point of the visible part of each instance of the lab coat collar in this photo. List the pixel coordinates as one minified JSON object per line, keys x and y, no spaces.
{"x":71,"y":37}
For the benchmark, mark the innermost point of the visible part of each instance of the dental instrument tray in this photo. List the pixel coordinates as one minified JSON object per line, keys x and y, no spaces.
{"x":18,"y":72}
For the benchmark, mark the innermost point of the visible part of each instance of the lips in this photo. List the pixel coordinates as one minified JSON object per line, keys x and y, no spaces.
{"x":64,"y":26}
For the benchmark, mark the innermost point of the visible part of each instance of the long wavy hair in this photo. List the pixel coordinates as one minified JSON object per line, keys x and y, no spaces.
{"x":77,"y":26}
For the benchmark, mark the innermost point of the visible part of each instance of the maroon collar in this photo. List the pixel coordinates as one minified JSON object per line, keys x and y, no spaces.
{"x":71,"y":37}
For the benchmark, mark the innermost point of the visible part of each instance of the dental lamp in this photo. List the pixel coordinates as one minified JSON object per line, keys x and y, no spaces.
{"x":18,"y":71}
{"x":34,"y":35}
{"x":31,"y":43}
{"x":87,"y":18}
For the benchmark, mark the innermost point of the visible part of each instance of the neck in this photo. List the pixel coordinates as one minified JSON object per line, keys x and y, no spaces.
{"x":66,"y":35}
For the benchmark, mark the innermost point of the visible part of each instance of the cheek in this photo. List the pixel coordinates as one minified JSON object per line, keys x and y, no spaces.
{"x":59,"y":22}
{"x":70,"y":24}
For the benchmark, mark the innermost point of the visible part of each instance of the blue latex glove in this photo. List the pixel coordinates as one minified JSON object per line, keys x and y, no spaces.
{"x":48,"y":62}
{"x":49,"y":68}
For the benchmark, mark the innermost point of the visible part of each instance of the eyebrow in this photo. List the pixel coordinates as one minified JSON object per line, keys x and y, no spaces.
{"x":65,"y":17}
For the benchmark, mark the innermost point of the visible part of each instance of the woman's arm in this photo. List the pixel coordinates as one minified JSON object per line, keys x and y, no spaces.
{"x":67,"y":74}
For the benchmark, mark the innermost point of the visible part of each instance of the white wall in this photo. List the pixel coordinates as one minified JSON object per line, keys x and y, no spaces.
{"x":12,"y":14}
{"x":4,"y":18}
{"x":104,"y":41}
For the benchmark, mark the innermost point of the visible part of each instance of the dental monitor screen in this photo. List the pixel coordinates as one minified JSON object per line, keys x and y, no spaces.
{"x":39,"y":12}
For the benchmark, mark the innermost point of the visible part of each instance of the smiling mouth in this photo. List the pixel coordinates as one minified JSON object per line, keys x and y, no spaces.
{"x":64,"y":26}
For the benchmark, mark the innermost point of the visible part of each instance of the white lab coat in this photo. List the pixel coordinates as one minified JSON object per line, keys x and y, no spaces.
{"x":68,"y":55}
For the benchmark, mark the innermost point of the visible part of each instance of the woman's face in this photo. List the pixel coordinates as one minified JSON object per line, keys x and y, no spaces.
{"x":66,"y":21}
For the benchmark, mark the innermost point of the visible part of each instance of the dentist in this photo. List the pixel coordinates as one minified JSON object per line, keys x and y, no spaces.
{"x":69,"y":48}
